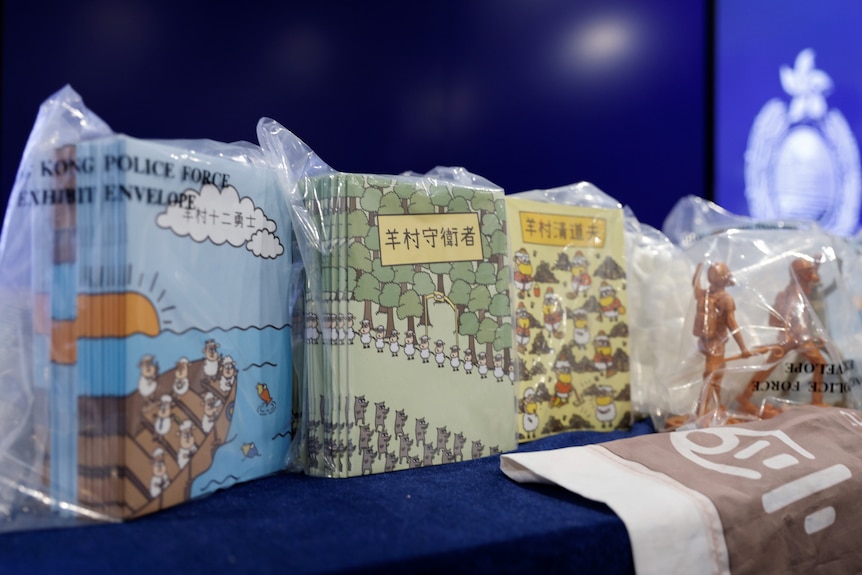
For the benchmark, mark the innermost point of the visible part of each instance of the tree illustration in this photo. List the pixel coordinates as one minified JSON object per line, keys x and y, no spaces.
{"x":503,"y":280}
{"x":369,"y":202}
{"x":440,"y":270}
{"x":478,"y":290}
{"x":458,"y":205}
{"x":487,"y":334}
{"x":480,"y":299}
{"x":440,"y":197}
{"x":372,"y":242}
{"x":390,"y":296}
{"x":367,"y":290}
{"x":500,"y":305}
{"x":423,"y":285}
{"x":483,"y":201}
{"x":410,"y":307}
{"x":357,"y":224}
{"x":360,"y":257}
{"x":363,"y":201}
{"x":463,"y":271}
{"x":390,"y":204}
{"x":468,"y":325}
{"x":420,"y":203}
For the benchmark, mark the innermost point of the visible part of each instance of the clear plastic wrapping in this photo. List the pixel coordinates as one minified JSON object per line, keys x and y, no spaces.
{"x":657,"y":275}
{"x":571,"y":303}
{"x":770,"y":320}
{"x":145,"y":322}
{"x":408,"y":331}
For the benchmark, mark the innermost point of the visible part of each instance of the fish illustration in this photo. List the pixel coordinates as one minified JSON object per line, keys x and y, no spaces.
{"x":249,"y":450}
{"x":263,"y":393}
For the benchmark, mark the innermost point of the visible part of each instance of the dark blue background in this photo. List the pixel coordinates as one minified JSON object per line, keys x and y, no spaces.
{"x":527,"y":94}
{"x":753,"y":39}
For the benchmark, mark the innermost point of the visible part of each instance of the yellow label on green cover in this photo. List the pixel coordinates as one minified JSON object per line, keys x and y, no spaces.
{"x":429,"y":238}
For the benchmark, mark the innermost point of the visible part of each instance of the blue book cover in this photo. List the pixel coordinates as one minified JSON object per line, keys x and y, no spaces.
{"x":161,"y":273}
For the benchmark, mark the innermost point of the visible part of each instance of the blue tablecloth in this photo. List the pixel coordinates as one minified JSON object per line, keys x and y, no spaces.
{"x":463,"y":518}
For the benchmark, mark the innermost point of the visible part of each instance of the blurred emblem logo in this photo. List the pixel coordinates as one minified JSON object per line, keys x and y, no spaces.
{"x":802,"y":161}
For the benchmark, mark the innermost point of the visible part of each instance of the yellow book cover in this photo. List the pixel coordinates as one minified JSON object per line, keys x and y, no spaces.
{"x":570,"y":311}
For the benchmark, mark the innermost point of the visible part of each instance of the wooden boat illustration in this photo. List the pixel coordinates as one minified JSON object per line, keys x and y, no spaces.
{"x":118,"y":457}
{"x":138,"y":455}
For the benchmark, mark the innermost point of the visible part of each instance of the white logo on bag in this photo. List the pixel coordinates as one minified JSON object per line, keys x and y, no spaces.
{"x":742,"y":445}
{"x":852,"y":418}
{"x":802,"y":160}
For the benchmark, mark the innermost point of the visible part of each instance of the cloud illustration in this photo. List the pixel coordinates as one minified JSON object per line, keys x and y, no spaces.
{"x":221,"y":216}
{"x":265,"y":244}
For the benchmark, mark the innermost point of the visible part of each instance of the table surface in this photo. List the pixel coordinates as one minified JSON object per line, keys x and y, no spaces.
{"x":464,"y":517}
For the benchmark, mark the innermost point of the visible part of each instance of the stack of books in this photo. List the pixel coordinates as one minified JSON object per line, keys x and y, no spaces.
{"x":161,"y":352}
{"x":570,"y":307}
{"x":409,"y":340}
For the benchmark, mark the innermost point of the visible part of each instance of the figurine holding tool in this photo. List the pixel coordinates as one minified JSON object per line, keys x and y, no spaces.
{"x":714,"y":320}
{"x":798,"y":333}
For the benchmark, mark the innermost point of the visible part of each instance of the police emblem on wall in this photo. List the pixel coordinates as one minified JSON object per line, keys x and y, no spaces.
{"x":802,"y":161}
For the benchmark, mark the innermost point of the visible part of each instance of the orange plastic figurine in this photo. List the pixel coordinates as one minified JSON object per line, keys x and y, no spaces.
{"x":790,"y":313}
{"x":714,"y":320}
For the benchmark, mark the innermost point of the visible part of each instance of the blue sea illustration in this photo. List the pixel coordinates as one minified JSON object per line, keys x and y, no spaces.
{"x":261,"y":356}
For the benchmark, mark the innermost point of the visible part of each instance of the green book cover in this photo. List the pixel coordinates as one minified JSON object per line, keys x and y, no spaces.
{"x":569,"y":303}
{"x":408,"y":325}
